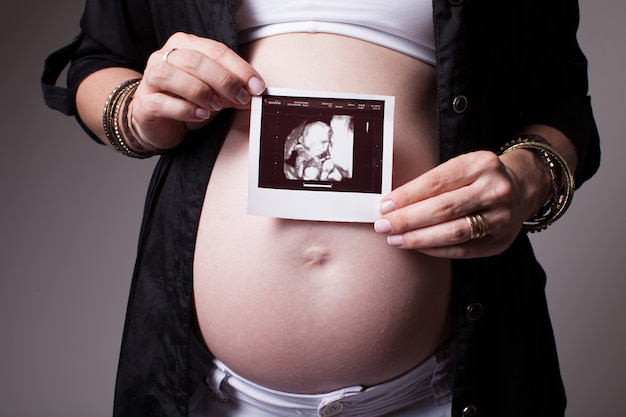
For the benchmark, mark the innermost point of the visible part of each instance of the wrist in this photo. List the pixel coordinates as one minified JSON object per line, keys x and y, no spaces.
{"x":135,"y":138}
{"x":561,"y":180}
{"x":157,"y":135}
{"x":115,"y":120}
{"x":531,"y":178}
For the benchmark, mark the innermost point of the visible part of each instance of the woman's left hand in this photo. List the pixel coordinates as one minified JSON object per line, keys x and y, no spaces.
{"x":429,"y":213}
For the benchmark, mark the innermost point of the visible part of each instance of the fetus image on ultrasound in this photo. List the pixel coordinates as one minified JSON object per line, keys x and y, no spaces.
{"x":320,"y":151}
{"x":319,"y":144}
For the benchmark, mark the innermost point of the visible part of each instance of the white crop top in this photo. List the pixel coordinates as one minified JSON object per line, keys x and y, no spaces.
{"x":403,"y":25}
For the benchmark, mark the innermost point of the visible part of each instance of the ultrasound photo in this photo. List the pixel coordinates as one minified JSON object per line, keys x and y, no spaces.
{"x":327,"y":151}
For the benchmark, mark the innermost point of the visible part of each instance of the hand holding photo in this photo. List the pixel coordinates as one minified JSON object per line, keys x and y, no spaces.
{"x":319,"y":155}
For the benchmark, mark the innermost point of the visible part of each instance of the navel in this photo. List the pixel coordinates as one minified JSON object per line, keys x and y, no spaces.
{"x":315,"y":256}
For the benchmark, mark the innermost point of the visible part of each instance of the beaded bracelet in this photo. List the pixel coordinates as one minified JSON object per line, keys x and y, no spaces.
{"x":560,"y":175}
{"x":121,"y":95}
{"x":128,"y":133}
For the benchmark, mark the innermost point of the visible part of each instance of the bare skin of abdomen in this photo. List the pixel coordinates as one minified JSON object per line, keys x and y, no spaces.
{"x":310,"y":307}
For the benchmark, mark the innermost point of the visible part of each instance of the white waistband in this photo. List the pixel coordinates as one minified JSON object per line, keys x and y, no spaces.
{"x":428,"y":383}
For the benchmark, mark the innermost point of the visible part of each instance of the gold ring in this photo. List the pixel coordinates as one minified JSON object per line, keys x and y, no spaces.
{"x":167,"y":54}
{"x":477,"y":224}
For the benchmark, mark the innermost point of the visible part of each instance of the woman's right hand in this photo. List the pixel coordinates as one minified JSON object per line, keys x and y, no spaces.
{"x":181,"y":89}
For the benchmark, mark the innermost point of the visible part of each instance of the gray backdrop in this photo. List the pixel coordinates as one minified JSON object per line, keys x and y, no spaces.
{"x":70,"y":213}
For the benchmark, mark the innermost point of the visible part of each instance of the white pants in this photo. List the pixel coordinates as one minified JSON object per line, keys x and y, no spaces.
{"x":425,"y":391}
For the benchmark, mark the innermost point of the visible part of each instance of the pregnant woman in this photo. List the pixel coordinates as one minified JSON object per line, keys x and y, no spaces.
{"x":437,"y":309}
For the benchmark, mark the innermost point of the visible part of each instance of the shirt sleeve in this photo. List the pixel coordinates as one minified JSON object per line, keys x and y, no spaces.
{"x":113,"y":33}
{"x":556,"y":85}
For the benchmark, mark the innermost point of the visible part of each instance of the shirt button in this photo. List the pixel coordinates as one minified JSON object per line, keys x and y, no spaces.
{"x":459,"y":104}
{"x":474,"y":311}
{"x":332,"y":409}
{"x":469,"y":411}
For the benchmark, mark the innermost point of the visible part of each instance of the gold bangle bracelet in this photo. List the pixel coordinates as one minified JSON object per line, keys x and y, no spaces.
{"x":560,"y":174}
{"x":120,"y":96}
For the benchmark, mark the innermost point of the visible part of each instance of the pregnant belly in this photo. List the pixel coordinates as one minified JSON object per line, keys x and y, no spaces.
{"x":309,"y":306}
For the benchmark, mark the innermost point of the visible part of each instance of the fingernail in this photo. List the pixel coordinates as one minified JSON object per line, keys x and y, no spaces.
{"x":216,"y":103}
{"x":386,"y":207}
{"x":242,"y":97}
{"x":202,"y":113}
{"x":395,"y":240}
{"x":382,"y":226}
{"x":256,"y":86}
